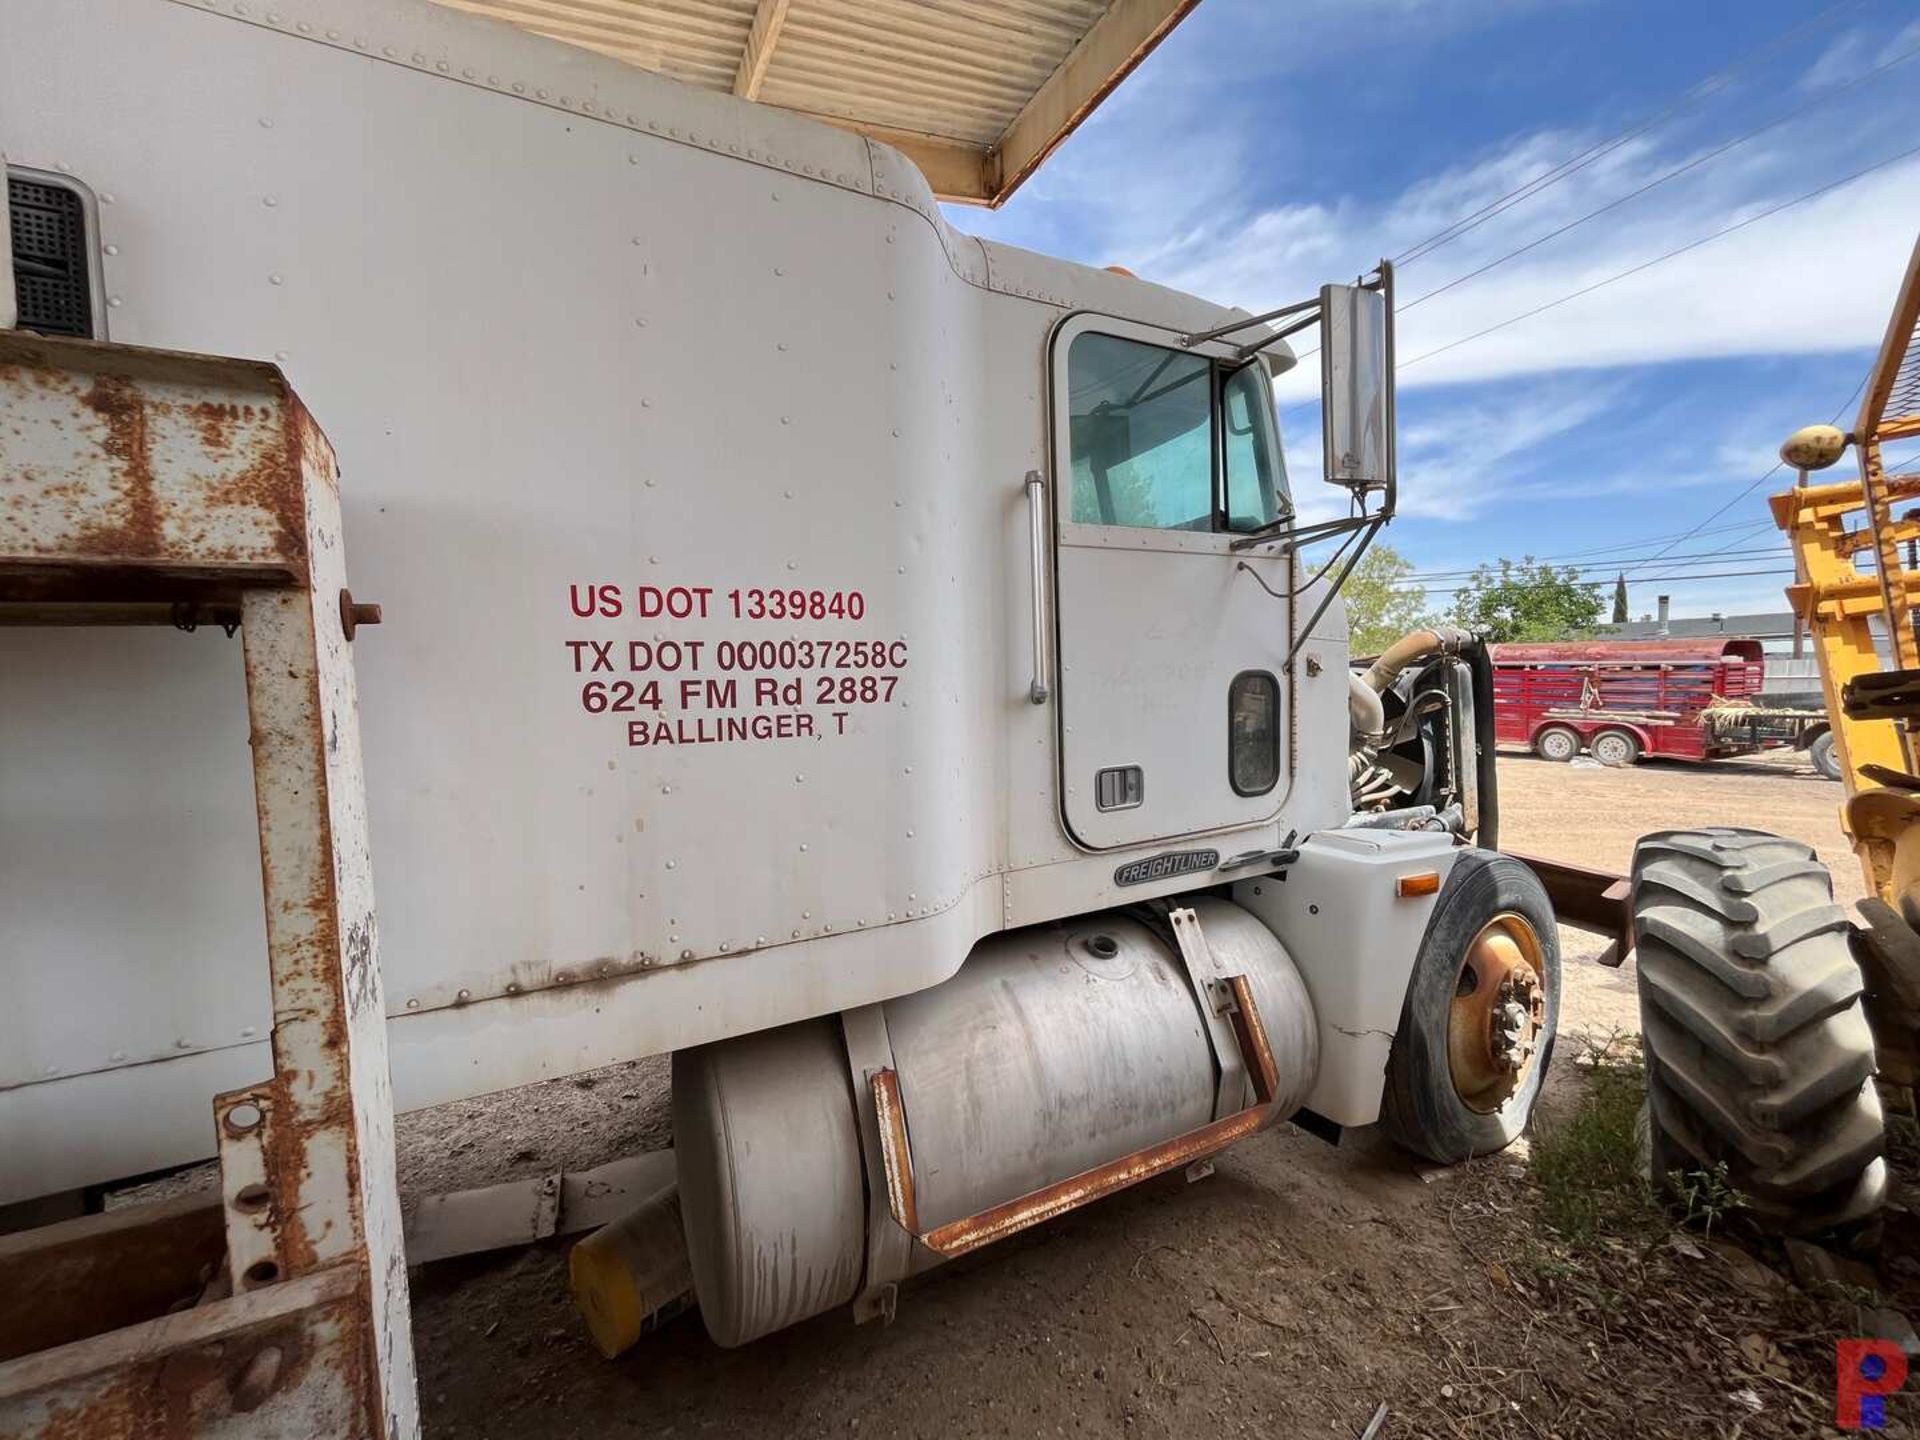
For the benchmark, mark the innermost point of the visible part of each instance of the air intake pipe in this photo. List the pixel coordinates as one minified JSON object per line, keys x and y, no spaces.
{"x":1364,"y":689}
{"x":1413,"y":648}
{"x":1368,"y":720}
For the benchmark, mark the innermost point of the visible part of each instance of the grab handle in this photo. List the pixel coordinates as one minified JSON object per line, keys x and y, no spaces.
{"x":1037,"y":518}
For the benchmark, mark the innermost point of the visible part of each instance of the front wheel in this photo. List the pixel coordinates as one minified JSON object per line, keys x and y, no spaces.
{"x":1476,"y":1032}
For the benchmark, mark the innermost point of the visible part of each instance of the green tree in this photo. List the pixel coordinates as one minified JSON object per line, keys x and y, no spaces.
{"x":1526,"y":599}
{"x":1382,"y":602}
{"x":1620,"y":601}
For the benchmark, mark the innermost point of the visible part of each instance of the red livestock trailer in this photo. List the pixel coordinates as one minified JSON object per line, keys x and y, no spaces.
{"x":1622,"y":699}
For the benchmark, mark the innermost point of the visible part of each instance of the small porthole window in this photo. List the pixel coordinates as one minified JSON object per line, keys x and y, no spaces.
{"x":1253,"y":732}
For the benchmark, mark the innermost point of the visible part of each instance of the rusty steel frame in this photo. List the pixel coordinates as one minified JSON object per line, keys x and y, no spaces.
{"x":136,"y":483}
{"x":958,"y":1237}
{"x":1594,"y":900}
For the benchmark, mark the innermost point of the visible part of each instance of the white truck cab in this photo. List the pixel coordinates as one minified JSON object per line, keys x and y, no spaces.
{"x":880,"y":665}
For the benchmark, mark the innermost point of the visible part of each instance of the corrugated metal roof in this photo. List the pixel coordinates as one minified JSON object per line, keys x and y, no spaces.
{"x":976,"y":92}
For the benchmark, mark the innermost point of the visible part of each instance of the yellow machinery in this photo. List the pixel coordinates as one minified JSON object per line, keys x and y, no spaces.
{"x":1772,"y":1023}
{"x":1873,"y":708}
{"x":1856,"y":595}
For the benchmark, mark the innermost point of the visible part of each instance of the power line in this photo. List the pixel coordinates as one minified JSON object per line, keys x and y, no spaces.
{"x":1672,"y":174}
{"x":1644,"y":265}
{"x":1674,"y":253}
{"x":1687,"y":99}
{"x":1771,"y":471}
{"x":1664,"y":579}
{"x":1606,"y":567}
{"x":1643,"y":540}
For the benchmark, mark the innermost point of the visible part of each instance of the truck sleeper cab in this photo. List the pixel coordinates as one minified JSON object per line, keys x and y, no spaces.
{"x":876,"y":664}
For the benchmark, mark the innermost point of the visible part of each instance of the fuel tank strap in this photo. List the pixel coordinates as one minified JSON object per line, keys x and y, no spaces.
{"x":1210,"y":989}
{"x":889,"y":1245}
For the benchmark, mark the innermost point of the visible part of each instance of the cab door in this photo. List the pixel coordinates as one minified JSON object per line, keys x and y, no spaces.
{"x":1173,"y":696}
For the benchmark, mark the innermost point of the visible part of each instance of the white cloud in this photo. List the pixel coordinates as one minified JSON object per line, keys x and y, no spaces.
{"x":1816,"y":277}
{"x":1855,"y":51}
{"x":1849,"y":53}
{"x":1455,"y":464}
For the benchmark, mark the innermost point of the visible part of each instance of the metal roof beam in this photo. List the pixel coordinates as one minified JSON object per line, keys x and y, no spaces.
{"x":762,"y":36}
{"x":1106,"y":54}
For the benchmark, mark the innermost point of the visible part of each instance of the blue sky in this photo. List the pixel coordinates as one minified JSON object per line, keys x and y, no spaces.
{"x":1267,"y":147}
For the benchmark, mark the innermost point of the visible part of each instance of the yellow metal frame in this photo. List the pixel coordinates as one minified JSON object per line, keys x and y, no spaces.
{"x":1838,"y":602}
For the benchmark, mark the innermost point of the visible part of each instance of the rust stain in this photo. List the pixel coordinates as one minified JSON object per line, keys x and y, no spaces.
{"x":108,"y":1276}
{"x":1250,"y":1034}
{"x":273,"y":484}
{"x":144,"y":503}
{"x":310,"y":975}
{"x":896,"y":1156}
{"x":1016,"y":1215}
{"x":139,"y":533}
{"x":215,"y":423}
{"x":179,"y":1394}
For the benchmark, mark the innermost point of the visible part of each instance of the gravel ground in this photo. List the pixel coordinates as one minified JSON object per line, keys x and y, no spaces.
{"x":1289,"y":1294}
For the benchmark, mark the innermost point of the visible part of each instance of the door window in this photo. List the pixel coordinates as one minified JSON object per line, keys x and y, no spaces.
{"x":1250,"y":452}
{"x":1166,"y":440}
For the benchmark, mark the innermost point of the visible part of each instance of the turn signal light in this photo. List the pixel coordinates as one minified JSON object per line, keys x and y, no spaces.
{"x":1426,"y":882}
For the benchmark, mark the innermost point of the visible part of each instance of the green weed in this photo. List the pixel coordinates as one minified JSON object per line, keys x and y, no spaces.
{"x":1587,"y":1162}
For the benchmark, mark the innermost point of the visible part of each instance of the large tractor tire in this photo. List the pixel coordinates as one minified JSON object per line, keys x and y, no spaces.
{"x":1757,"y":1048}
{"x":1476,"y":1032}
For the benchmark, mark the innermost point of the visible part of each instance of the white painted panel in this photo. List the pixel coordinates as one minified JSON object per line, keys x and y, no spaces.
{"x":676,"y":340}
{"x":66,"y":1133}
{"x":1354,"y":940}
{"x":127,"y":826}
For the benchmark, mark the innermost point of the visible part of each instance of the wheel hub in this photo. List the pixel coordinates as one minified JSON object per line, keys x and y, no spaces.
{"x":1498,"y":1013}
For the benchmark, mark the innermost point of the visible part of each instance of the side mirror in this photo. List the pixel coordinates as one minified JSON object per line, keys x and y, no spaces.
{"x":1356,"y":384}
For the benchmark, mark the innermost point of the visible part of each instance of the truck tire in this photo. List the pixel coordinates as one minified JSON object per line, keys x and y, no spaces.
{"x":1757,"y":1048}
{"x":1476,"y":1032}
{"x":1618,"y":748}
{"x":1825,"y":758}
{"x":1558,"y":743}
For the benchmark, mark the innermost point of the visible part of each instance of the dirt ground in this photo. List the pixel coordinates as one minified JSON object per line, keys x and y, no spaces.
{"x":1290,"y":1294}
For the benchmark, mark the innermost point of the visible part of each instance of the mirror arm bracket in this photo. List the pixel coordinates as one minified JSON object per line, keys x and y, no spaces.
{"x":1187,"y":342}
